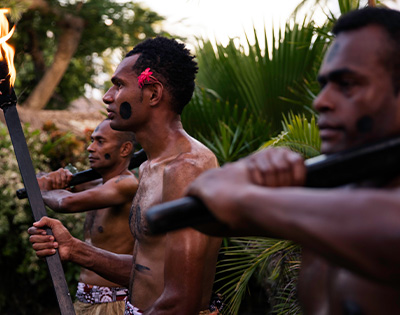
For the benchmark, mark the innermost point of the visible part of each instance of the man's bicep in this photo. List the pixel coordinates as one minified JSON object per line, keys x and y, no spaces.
{"x":112,"y":193}
{"x":88,"y":185}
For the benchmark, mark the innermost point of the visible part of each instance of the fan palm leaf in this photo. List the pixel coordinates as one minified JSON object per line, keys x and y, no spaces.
{"x":229,"y":132}
{"x":299,"y":135}
{"x":249,"y":257}
{"x":261,"y":80}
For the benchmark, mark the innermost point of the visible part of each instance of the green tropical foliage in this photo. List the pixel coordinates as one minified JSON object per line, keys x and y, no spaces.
{"x":230,"y":132}
{"x":243,"y":91}
{"x":299,"y":135}
{"x":275,"y":263}
{"x":259,"y":79}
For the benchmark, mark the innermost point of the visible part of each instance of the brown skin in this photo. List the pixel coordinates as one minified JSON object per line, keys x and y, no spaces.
{"x":107,"y":204}
{"x":168,"y":274}
{"x":349,"y":235}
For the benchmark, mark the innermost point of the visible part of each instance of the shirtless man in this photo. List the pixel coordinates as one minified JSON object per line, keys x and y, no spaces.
{"x":107,"y":205}
{"x":350,"y":235}
{"x":172,"y":273}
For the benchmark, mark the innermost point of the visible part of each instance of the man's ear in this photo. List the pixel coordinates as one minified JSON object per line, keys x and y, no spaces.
{"x":156,"y":91}
{"x":126,"y":148}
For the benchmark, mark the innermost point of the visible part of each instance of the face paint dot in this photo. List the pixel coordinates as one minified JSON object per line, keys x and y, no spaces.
{"x":332,"y":52}
{"x":125,"y":110}
{"x":365,"y":124}
{"x":107,"y":156}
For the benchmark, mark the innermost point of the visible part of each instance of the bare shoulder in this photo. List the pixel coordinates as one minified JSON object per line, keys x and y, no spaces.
{"x":181,"y":170}
{"x":128,"y":178}
{"x":126,"y":182}
{"x":197,"y":157}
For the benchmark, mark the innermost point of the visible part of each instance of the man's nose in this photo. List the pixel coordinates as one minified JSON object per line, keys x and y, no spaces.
{"x":90,"y":148}
{"x":325,"y":100}
{"x":108,"y":98}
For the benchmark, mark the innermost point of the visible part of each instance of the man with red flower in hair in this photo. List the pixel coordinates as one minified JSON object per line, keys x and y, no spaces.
{"x":171,"y":273}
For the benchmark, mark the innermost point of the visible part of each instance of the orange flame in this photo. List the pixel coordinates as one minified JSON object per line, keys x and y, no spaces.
{"x":7,"y":51}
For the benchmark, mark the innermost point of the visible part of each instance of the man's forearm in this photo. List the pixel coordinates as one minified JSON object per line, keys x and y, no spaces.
{"x":54,"y":199}
{"x":113,"y":267}
{"x":341,"y":225}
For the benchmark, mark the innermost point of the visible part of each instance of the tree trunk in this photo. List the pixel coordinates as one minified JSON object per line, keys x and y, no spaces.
{"x":68,"y":43}
{"x":37,"y":55}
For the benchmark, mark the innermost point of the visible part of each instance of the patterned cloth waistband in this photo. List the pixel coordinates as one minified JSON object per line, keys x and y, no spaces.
{"x":92,"y":294}
{"x":131,"y":310}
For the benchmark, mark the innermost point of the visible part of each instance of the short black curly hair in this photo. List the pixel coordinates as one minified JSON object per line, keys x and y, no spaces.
{"x":171,"y":63}
{"x":389,"y":21}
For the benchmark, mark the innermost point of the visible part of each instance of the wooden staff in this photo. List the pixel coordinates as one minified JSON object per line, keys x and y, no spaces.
{"x":88,"y":175}
{"x":8,"y":101}
{"x":375,"y":161}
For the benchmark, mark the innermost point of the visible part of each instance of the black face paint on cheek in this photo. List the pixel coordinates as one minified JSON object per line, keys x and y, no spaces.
{"x":365,"y":124}
{"x":141,"y":267}
{"x":107,"y":156}
{"x":352,"y":308}
{"x":125,"y":110}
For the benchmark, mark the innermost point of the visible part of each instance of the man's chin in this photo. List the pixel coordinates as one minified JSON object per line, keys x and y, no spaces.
{"x":116,"y":126}
{"x":96,"y":168}
{"x":94,"y":165}
{"x":119,"y":127}
{"x":329,"y":148}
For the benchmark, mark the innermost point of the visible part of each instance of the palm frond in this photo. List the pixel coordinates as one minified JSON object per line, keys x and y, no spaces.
{"x":299,"y":135}
{"x":229,"y":132}
{"x":247,"y":257}
{"x":262,"y":80}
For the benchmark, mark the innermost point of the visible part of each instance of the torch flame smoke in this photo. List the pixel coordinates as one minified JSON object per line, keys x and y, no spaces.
{"x":7,"y":51}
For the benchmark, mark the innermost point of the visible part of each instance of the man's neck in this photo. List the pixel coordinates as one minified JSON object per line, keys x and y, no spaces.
{"x":107,"y":174}
{"x":158,"y":138}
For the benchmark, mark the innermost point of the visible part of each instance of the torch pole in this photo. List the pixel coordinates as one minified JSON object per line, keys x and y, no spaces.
{"x":8,"y":105}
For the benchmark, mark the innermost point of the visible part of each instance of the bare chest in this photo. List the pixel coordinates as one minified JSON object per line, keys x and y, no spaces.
{"x":96,"y":223}
{"x":149,"y":193}
{"x":104,"y":225}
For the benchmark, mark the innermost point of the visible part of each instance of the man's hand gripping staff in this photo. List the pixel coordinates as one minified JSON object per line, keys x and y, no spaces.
{"x":377,"y":160}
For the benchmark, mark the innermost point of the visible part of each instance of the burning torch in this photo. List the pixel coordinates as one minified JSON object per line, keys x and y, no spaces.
{"x":8,"y":102}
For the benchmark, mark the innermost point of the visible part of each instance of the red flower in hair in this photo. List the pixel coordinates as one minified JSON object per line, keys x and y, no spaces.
{"x":145,"y":75}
